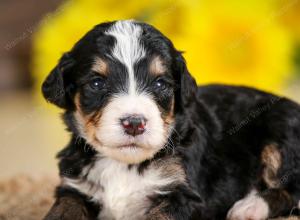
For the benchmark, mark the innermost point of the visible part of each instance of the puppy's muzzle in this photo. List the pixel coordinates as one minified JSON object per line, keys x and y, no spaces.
{"x":134,"y":124}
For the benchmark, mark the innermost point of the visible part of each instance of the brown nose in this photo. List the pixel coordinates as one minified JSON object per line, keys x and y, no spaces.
{"x":134,"y":125}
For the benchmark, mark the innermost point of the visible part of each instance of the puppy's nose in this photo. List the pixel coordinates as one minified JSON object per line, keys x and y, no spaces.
{"x":134,"y":125}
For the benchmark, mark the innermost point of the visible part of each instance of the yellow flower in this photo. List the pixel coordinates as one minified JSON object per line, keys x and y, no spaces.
{"x":289,"y":14}
{"x":240,"y":47}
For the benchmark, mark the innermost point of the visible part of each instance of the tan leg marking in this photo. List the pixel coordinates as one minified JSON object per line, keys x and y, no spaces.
{"x":271,"y":159}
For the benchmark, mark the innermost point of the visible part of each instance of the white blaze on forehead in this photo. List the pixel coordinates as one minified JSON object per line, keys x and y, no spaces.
{"x":127,"y":49}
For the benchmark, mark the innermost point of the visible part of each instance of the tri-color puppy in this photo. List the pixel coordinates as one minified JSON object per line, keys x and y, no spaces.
{"x":147,"y":143}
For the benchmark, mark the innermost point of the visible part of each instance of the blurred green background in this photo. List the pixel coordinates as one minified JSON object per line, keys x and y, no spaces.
{"x":251,"y":42}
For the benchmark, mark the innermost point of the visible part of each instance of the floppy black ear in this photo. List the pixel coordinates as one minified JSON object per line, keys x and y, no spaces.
{"x":55,"y":88}
{"x":186,"y":84}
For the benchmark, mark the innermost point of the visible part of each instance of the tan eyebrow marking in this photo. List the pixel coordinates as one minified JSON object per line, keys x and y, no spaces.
{"x":100,"y":66}
{"x":157,"y":66}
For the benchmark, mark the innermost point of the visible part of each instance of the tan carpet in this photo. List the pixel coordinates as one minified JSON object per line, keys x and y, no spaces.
{"x":26,"y":198}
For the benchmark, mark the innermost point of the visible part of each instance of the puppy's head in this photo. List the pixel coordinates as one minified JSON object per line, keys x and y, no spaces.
{"x":121,"y":86}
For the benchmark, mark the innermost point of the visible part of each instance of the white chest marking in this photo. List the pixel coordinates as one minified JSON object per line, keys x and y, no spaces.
{"x":121,"y":191}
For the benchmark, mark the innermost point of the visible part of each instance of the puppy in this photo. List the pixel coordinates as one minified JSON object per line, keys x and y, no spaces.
{"x":147,"y":143}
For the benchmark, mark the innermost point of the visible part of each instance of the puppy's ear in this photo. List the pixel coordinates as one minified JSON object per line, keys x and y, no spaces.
{"x":186,"y":84}
{"x":56,"y":87}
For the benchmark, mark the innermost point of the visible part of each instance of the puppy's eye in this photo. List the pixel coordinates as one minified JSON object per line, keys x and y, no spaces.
{"x":160,"y":84}
{"x":97,"y":84}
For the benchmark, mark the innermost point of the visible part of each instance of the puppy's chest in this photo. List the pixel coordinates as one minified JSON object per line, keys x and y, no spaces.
{"x":122,"y":192}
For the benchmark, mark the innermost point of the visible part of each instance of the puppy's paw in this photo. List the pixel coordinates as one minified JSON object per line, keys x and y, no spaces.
{"x":252,"y":207}
{"x":68,"y":208}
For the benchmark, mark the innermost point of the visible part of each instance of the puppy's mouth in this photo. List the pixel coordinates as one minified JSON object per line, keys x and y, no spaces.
{"x":129,"y":146}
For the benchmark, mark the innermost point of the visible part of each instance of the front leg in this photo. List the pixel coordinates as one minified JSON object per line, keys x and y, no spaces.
{"x":71,"y":205}
{"x":182,"y":203}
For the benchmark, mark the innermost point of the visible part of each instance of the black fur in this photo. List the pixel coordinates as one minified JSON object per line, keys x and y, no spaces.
{"x":220,"y":131}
